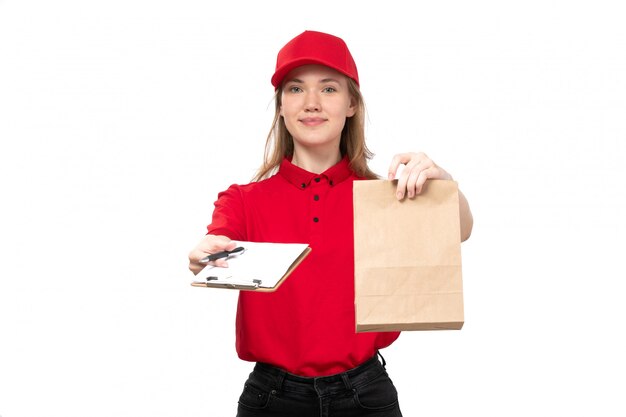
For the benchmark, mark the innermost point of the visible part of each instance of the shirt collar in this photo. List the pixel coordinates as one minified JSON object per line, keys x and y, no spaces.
{"x":302,"y":178}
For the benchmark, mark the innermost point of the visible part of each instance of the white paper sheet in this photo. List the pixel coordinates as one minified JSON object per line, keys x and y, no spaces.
{"x":267,"y":262}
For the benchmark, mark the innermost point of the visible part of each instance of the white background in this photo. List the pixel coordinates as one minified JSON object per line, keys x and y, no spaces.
{"x":120,"y":121}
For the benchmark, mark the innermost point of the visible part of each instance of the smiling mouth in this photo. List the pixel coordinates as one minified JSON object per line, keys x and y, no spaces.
{"x":312,"y":121}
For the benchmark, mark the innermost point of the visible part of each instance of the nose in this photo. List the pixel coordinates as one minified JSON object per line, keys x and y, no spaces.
{"x":312,"y":103}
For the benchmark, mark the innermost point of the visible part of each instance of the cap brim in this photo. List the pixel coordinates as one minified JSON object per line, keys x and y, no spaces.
{"x":282,"y":72}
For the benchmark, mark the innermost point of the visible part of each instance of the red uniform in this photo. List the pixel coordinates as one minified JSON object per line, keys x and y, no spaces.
{"x":306,"y":327}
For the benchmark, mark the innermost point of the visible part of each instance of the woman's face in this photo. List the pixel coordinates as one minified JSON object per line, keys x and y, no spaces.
{"x":315,"y":103}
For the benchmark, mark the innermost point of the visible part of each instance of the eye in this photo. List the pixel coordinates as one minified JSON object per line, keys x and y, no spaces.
{"x":294,"y":89}
{"x":329,"y":89}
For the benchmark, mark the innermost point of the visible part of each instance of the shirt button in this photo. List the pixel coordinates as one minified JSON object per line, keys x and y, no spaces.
{"x":316,"y":197}
{"x":330,"y":182}
{"x":303,"y":185}
{"x":317,"y":180}
{"x":315,"y":219}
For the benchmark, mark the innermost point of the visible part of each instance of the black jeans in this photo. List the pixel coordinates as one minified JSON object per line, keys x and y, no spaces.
{"x":363,"y":391}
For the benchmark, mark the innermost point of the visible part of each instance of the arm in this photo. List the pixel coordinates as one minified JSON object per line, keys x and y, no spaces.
{"x":418,"y":168}
{"x":226,"y":223}
{"x":467,"y":220}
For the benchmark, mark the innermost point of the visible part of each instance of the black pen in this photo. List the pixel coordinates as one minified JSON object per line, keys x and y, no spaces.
{"x":223,"y":254}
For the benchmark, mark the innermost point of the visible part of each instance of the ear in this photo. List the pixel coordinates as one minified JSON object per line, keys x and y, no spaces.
{"x":352,"y":108}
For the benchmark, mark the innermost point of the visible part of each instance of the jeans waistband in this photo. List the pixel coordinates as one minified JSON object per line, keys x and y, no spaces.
{"x":322,"y":385}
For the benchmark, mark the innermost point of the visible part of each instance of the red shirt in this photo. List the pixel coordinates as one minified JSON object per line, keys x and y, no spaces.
{"x":307,"y":326}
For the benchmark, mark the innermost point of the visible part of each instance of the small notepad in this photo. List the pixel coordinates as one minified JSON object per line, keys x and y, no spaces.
{"x":261,"y":267}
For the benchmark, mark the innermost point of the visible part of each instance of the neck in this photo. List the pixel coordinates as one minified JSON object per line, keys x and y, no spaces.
{"x":315,"y":162}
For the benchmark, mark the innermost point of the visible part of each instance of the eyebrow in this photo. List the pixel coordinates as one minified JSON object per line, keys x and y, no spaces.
{"x":325,"y":80}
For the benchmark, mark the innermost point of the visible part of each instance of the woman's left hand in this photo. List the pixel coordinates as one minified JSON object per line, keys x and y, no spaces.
{"x":418,"y":168}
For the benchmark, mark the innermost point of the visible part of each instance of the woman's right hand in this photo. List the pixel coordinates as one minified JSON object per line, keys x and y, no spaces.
{"x":208,"y":245}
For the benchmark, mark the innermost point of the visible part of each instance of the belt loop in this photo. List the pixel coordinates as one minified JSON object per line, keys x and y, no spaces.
{"x":279,"y":380}
{"x":383,"y":359}
{"x":346,"y":380}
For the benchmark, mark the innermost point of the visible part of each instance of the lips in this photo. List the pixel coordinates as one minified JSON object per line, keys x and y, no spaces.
{"x":312,"y":121}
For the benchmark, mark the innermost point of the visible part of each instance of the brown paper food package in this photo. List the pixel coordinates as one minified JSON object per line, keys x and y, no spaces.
{"x":407,"y":258}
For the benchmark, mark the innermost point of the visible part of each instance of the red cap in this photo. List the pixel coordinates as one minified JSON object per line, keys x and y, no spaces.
{"x":312,"y":47}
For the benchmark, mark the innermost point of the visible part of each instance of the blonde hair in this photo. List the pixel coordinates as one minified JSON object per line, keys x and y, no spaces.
{"x":279,"y":142}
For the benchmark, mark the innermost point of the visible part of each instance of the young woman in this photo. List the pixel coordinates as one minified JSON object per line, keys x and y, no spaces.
{"x":309,"y":360}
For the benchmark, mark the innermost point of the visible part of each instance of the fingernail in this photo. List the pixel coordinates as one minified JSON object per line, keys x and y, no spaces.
{"x":400,"y":195}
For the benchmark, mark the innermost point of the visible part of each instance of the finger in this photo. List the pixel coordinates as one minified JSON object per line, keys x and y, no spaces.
{"x":412,"y":181}
{"x":402,"y":183}
{"x":396,"y":161}
{"x":217,"y":244}
{"x":222,"y":263}
{"x":429,"y":173}
{"x":414,"y":168}
{"x":421,"y":180}
{"x":224,"y":246}
{"x":196,"y":254}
